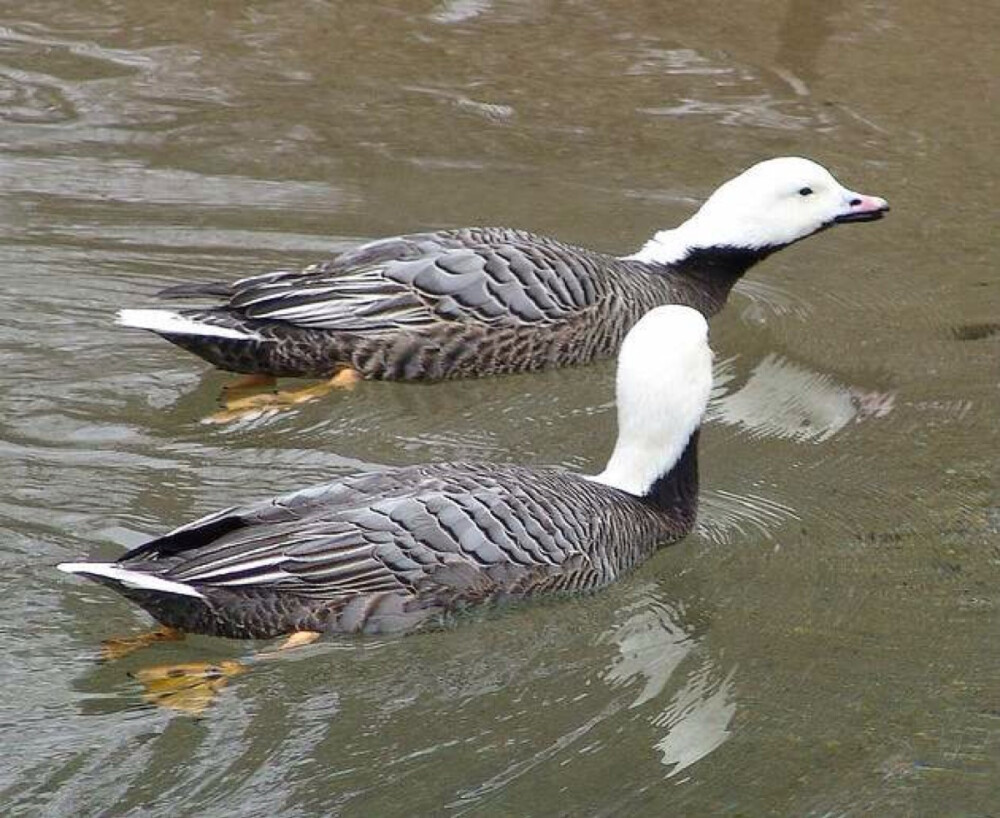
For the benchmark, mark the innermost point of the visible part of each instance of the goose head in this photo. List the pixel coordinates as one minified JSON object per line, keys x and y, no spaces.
{"x":769,"y":206}
{"x":662,"y":386}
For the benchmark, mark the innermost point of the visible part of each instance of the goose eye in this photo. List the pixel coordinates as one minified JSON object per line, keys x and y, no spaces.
{"x":806,"y":191}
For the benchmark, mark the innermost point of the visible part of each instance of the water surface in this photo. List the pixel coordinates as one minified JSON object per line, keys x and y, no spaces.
{"x":826,"y":644}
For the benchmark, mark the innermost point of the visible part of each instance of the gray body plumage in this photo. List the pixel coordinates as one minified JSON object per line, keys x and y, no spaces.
{"x":458,"y":303}
{"x":392,"y":551}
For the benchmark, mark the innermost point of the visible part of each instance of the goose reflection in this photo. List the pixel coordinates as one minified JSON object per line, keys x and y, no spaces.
{"x":697,"y":719}
{"x":784,"y":399}
{"x":653,"y":645}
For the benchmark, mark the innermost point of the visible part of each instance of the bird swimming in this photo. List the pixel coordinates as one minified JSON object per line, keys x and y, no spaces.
{"x":484,"y":300}
{"x":395,"y":550}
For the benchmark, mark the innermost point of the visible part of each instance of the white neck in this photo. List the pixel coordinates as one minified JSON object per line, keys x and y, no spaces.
{"x":667,"y":246}
{"x":649,"y":445}
{"x":664,"y":380}
{"x":702,"y":230}
{"x":637,"y":463}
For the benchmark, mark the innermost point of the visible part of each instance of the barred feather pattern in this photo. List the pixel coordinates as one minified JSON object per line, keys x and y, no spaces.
{"x":393,"y":551}
{"x":451,"y":304}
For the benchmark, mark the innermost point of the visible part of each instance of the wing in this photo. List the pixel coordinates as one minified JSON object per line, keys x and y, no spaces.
{"x":447,"y":527}
{"x":484,"y":275}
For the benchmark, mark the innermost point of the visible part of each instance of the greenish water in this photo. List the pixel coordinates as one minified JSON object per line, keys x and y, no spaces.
{"x":826,"y":645}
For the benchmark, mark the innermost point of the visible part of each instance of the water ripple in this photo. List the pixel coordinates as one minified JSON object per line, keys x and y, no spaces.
{"x":725,"y":516}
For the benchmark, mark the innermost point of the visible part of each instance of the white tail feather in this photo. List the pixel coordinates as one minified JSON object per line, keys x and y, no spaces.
{"x":132,"y":579}
{"x":172,"y":323}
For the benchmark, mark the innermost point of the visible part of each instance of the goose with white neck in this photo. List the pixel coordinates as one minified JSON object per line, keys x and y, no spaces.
{"x":485,"y":301}
{"x":396,"y":550}
{"x":769,"y":206}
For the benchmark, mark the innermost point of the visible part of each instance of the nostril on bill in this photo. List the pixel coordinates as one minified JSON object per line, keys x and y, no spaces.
{"x":855,"y":202}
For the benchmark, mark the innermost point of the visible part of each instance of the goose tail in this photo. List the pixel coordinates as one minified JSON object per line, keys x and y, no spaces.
{"x":173,"y":322}
{"x":129,"y":578}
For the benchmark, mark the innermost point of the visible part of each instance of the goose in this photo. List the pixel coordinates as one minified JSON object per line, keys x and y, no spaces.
{"x":484,"y":301}
{"x":395,"y":550}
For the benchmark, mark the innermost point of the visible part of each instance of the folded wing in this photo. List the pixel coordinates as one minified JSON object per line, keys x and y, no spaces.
{"x":490,"y":276}
{"x":386,"y":531}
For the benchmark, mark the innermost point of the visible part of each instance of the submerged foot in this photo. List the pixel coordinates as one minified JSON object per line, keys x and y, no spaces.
{"x":251,"y":407}
{"x":117,"y":647}
{"x":248,"y":386}
{"x":189,"y":687}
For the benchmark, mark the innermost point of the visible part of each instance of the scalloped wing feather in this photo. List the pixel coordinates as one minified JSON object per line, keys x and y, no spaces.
{"x":338,"y":540}
{"x":487,"y":276}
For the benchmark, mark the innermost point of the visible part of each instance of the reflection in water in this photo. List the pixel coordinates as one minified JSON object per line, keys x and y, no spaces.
{"x":678,"y":697}
{"x":652,"y":645}
{"x":697,"y":719}
{"x":360,"y":708}
{"x":784,"y":399}
{"x":458,"y":11}
{"x":780,"y":399}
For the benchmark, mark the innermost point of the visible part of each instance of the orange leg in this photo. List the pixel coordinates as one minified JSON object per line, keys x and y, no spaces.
{"x":299,"y":639}
{"x":248,"y":383}
{"x":192,"y":686}
{"x":254,"y":406}
{"x":118,"y":647}
{"x":189,"y":687}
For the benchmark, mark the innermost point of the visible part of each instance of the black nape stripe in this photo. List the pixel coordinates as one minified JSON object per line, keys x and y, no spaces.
{"x":718,"y":264}
{"x":712,"y":271}
{"x":677,"y":490}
